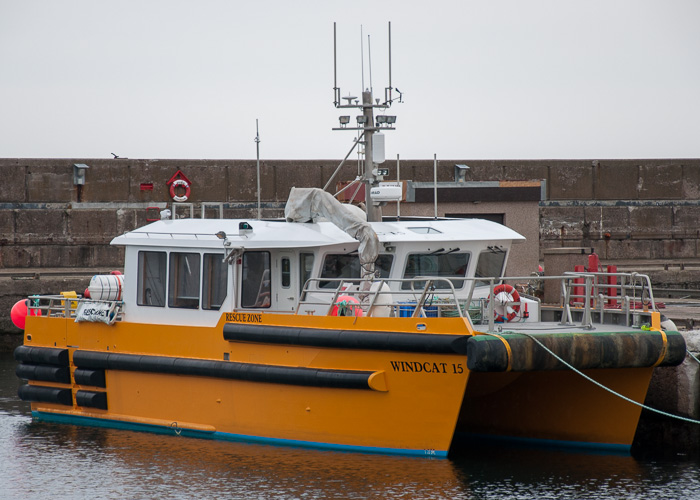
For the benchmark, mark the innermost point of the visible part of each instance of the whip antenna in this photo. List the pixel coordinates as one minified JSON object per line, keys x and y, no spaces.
{"x":369,"y":59}
{"x":362,"y":58}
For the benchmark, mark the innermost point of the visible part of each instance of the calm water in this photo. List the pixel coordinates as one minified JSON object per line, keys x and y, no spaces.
{"x":48,"y":461}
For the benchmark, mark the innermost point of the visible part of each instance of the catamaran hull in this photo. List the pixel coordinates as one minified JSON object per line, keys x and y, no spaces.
{"x":193,"y":382}
{"x":328,"y":382}
{"x":558,"y":408}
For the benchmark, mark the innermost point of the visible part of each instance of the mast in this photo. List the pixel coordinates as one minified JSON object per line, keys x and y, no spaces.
{"x":374,"y":213}
{"x":366,"y":126}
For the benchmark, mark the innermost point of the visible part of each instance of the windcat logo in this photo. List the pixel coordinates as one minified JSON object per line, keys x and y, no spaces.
{"x":426,"y":367}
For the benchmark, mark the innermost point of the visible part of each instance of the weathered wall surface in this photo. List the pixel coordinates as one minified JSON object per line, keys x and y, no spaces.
{"x":625,"y":209}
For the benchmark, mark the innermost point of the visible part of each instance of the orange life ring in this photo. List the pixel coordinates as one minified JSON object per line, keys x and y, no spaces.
{"x":179,"y":182}
{"x":504,"y":295}
{"x":346,"y":306}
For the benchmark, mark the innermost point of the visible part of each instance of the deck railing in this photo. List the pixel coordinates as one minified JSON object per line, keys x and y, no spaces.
{"x":583,"y":294}
{"x":421,"y":296}
{"x":67,"y":307}
{"x":584,"y":298}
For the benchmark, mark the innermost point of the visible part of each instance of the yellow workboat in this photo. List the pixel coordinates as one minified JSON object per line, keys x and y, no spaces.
{"x":271,"y":331}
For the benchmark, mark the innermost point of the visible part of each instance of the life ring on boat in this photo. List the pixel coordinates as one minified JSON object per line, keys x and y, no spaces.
{"x":505,"y":295}
{"x":180,"y":182}
{"x":346,"y":306}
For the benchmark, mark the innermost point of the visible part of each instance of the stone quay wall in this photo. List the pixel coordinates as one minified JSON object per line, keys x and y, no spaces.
{"x":624,"y":209}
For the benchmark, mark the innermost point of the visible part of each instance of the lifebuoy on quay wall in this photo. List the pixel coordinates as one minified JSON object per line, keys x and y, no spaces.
{"x":173,"y":192}
{"x":179,"y":187}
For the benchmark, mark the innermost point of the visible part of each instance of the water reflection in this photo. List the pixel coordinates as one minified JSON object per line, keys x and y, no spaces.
{"x":119,"y":463}
{"x":49,"y":460}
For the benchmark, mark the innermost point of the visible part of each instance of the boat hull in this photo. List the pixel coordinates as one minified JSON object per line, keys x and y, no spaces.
{"x":193,"y":381}
{"x":377,"y":385}
{"x":556,"y":407}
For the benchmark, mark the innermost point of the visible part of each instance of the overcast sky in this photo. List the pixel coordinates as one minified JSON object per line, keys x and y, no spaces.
{"x":481,"y":79}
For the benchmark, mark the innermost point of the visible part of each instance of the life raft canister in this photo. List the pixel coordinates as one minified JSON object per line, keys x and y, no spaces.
{"x":174,"y":195}
{"x":505,"y":295}
{"x":106,"y":286}
{"x":346,"y":306}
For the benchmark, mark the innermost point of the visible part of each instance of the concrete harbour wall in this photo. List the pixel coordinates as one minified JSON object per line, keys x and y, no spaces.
{"x":625,"y":209}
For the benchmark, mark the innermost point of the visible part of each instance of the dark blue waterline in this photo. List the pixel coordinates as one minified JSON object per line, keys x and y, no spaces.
{"x":225,"y":436}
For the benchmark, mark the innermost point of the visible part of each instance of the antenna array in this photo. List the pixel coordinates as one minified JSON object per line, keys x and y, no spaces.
{"x":369,"y":130}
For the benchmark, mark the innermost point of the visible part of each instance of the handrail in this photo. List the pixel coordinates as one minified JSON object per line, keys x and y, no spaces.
{"x":418,"y":296}
{"x":60,"y":306}
{"x":597,"y":295}
{"x":592,"y":296}
{"x":637,"y":282}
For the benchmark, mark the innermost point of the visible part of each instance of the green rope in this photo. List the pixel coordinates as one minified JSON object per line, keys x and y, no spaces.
{"x":692,"y":356}
{"x":660,"y":412}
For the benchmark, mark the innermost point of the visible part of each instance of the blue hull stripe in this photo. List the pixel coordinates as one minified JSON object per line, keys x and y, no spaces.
{"x":225,"y":436}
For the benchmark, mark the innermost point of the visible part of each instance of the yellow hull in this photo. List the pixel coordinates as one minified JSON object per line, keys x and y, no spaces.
{"x":556,"y":406}
{"x":410,"y":404}
{"x":389,"y":385}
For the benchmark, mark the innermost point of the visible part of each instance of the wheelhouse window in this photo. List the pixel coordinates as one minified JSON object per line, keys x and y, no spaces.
{"x":214,"y":281}
{"x":442,"y":265}
{"x":347,"y":266}
{"x":490,"y":264}
{"x":151,"y":279}
{"x":286,"y":272}
{"x":255,"y":282}
{"x":183,"y":284}
{"x":306,"y":265}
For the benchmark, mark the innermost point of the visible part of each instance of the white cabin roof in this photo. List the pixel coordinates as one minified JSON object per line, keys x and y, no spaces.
{"x":201,"y":233}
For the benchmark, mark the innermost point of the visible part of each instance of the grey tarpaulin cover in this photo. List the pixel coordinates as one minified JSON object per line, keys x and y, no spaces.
{"x":311,"y":204}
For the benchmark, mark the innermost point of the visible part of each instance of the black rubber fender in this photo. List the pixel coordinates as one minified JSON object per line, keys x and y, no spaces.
{"x":46,"y":373}
{"x":42,"y":355}
{"x":41,"y":394}
{"x":488,"y":353}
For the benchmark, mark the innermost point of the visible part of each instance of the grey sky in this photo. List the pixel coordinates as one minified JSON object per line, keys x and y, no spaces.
{"x":488,"y":79}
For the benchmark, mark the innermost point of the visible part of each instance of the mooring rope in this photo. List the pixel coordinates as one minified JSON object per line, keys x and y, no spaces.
{"x":649,"y":408}
{"x":692,"y":356}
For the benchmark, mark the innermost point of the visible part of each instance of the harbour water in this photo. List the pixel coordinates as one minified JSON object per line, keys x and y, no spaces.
{"x":47,"y":461}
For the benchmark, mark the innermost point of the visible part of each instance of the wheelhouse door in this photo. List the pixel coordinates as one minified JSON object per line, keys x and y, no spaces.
{"x":285,"y":291}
